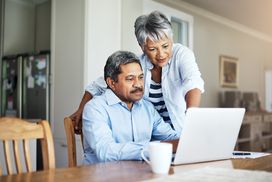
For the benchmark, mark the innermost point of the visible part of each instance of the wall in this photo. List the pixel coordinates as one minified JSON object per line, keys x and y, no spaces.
{"x":1,"y":37}
{"x":30,"y":32}
{"x":18,"y":32}
{"x":131,"y":9}
{"x":1,"y":28}
{"x":67,"y":43}
{"x":2,"y":11}
{"x":43,"y":26}
{"x":212,"y":39}
{"x":103,"y":35}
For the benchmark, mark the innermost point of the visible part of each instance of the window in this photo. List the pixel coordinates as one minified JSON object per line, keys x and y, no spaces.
{"x":180,"y":30}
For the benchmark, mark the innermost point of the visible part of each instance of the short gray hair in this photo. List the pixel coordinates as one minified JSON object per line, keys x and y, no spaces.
{"x":153,"y":26}
{"x":113,"y":65}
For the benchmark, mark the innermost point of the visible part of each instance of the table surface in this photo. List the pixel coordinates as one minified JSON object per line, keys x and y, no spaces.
{"x":132,"y":170}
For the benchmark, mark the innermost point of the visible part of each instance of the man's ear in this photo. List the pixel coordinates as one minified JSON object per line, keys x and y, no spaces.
{"x":110,"y":83}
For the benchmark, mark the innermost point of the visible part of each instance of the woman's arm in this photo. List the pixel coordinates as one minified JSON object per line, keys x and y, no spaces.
{"x":77,"y":116}
{"x":97,"y":87}
{"x":193,"y":98}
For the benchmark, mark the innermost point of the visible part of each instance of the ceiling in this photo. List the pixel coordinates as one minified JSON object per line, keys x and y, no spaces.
{"x":255,"y":14}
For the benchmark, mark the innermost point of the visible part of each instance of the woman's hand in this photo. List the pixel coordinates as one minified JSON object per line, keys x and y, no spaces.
{"x":77,"y":116}
{"x":77,"y":120}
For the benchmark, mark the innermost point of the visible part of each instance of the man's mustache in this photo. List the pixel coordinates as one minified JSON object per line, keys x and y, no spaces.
{"x":139,"y":89}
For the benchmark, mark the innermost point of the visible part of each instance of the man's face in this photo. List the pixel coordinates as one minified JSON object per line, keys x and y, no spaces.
{"x":159,"y":52}
{"x":129,"y":86}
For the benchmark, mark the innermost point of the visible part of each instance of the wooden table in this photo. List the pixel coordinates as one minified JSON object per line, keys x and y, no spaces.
{"x":131,"y":171}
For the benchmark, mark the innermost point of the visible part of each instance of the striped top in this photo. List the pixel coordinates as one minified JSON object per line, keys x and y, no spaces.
{"x":156,"y":98}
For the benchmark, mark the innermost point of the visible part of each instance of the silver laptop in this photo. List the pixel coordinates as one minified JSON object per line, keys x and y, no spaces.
{"x":208,"y":134}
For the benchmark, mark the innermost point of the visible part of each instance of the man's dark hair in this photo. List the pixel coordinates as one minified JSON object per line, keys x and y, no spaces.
{"x":113,"y":65}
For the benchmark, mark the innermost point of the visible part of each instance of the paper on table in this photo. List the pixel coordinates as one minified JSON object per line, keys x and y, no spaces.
{"x":212,"y":174}
{"x":253,"y":155}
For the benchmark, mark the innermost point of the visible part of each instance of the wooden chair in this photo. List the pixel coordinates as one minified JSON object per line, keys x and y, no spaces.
{"x":16,"y":130}
{"x":71,"y":141}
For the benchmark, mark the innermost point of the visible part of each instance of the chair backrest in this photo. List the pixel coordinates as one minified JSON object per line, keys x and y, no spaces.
{"x":71,"y":141}
{"x":17,"y":131}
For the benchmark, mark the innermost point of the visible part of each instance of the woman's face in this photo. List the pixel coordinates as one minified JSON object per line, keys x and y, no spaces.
{"x":159,"y":52}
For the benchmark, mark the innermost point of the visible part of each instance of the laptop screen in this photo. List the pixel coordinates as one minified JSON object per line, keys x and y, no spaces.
{"x":208,"y":134}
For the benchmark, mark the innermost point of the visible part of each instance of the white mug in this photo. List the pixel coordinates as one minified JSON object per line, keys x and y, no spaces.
{"x":160,"y":155}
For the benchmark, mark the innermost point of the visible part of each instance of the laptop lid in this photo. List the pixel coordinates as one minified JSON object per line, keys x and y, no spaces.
{"x":208,"y":134}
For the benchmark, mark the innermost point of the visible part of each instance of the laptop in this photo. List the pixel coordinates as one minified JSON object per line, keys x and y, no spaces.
{"x":208,"y":134}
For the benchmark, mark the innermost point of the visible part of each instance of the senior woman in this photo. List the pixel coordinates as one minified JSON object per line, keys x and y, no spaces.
{"x":173,"y":81}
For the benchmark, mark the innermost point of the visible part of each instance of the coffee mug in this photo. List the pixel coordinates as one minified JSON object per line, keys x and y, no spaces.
{"x":160,"y":155}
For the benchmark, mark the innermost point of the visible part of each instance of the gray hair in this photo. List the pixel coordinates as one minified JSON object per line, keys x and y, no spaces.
{"x":154,"y":26}
{"x":113,"y":65}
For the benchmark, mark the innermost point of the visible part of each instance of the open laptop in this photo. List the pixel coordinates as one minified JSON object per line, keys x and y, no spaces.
{"x":208,"y":134}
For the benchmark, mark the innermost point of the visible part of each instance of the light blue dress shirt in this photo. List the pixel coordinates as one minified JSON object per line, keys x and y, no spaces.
{"x":113,"y":132}
{"x":180,"y":75}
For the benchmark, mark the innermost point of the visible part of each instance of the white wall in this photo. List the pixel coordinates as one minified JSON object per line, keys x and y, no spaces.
{"x":67,"y":59}
{"x":18,"y":32}
{"x":26,"y":26}
{"x":213,"y":40}
{"x":1,"y":27}
{"x":67,"y":43}
{"x":103,"y":35}
{"x":43,"y":26}
{"x":131,"y":9}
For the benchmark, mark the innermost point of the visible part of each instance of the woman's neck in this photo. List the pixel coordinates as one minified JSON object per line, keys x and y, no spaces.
{"x":156,"y":74}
